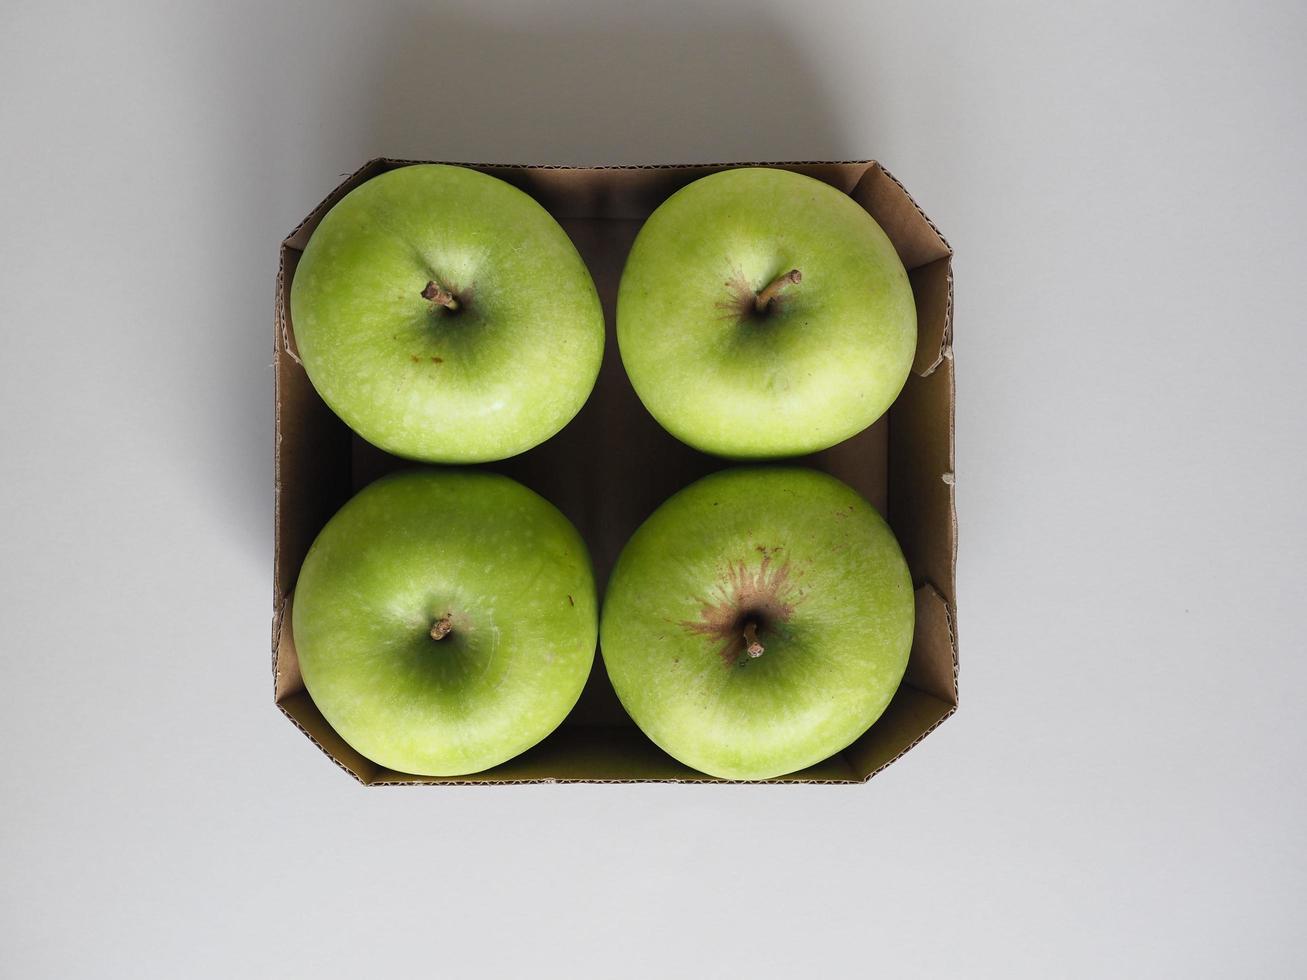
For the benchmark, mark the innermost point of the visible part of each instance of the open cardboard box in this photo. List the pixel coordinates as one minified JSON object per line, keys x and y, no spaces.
{"x":613,"y":465}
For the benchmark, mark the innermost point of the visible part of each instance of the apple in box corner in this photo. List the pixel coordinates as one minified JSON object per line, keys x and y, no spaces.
{"x":758,"y":622}
{"x":446,"y":317}
{"x":445,"y":620}
{"x":763,"y":313}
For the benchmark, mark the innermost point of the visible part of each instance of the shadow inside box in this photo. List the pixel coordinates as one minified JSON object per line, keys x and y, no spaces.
{"x":613,"y":465}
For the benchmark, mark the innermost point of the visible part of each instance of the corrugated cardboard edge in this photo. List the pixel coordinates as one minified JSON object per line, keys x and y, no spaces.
{"x":946,"y":341}
{"x":405,"y":162}
{"x":626,"y":780}
{"x":928,"y":598}
{"x":285,"y":346}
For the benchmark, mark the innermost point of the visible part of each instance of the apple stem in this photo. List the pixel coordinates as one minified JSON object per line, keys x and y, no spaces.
{"x":752,"y":647}
{"x":442,"y":627}
{"x":441,"y":296}
{"x":772,"y":290}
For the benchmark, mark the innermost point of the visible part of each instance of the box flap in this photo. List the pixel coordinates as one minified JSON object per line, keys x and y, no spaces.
{"x":932,"y":286}
{"x":915,"y":238}
{"x":933,"y":665}
{"x":921,"y":493}
{"x":300,"y":709}
{"x":910,"y":717}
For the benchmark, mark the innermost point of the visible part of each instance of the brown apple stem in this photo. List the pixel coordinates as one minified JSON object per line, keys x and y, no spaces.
{"x":773,"y":289}
{"x":752,"y":647}
{"x":442,"y":627}
{"x":441,"y":296}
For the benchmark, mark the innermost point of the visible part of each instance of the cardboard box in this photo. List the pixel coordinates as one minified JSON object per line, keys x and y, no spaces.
{"x":613,"y":465}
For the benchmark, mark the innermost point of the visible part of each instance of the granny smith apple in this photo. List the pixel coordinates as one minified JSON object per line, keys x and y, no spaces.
{"x":763,"y":313}
{"x":446,"y":317}
{"x":445,"y":621}
{"x":758,"y":622}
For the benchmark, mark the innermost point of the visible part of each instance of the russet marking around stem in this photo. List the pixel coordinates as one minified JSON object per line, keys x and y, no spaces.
{"x":746,"y":303}
{"x":745,"y":605}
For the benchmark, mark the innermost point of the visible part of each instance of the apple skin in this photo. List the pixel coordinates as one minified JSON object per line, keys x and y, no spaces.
{"x":501,"y":374}
{"x":826,"y":360}
{"x":509,"y":570}
{"x":819,"y":573}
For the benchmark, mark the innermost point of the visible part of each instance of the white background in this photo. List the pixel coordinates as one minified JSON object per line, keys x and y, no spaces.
{"x":1122,"y":792}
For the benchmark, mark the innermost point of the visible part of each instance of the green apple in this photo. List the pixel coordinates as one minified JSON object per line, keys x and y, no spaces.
{"x":445,"y":621}
{"x":446,"y":317}
{"x":758,"y":622}
{"x":763,"y":313}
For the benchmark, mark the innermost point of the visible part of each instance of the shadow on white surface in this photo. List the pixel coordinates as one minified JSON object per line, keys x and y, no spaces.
{"x":608,"y":86}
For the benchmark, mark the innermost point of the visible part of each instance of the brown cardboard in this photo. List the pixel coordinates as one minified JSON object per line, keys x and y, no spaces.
{"x":613,"y":465}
